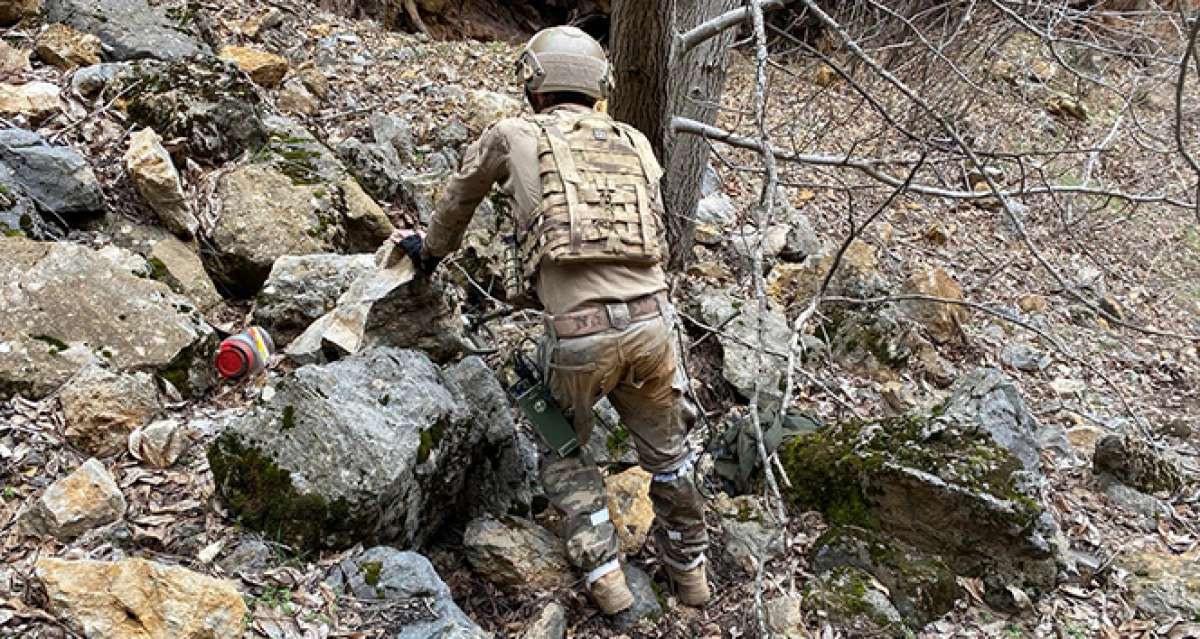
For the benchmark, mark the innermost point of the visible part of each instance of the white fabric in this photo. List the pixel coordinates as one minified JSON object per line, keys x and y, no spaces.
{"x":603,"y":569}
{"x":684,"y":467}
{"x":599,"y":517}
{"x":684,"y":567}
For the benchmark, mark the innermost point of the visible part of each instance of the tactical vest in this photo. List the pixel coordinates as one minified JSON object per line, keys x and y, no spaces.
{"x":601,"y":202}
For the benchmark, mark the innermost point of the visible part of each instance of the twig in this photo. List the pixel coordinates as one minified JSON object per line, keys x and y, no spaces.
{"x":1183,"y":70}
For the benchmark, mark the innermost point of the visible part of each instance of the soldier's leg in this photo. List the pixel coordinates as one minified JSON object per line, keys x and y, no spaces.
{"x":648,"y":401}
{"x":574,"y":486}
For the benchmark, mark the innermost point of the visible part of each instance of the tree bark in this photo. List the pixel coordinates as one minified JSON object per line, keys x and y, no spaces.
{"x":652,"y":86}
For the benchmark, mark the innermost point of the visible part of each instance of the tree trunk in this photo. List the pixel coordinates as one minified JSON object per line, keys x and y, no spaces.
{"x":651,"y":87}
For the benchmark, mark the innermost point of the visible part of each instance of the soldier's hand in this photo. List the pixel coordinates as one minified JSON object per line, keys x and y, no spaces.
{"x":413,"y":244}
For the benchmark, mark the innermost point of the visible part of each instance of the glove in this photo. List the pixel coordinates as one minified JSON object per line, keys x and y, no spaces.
{"x":414,"y":246}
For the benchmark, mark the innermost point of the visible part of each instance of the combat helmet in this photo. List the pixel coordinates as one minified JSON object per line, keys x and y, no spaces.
{"x":564,"y":59}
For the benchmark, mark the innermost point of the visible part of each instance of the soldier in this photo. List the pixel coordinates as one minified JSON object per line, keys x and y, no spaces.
{"x":588,"y":220}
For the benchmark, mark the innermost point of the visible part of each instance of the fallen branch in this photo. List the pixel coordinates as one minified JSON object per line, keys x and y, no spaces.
{"x":690,"y":39}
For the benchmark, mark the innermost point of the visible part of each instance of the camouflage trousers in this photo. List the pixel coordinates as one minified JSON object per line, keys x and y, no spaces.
{"x":636,"y":369}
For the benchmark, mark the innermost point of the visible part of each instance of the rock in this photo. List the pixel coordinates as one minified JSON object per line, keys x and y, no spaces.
{"x":178,"y":266}
{"x":247,"y":558}
{"x":785,"y":619}
{"x":34,"y":100}
{"x":57,"y":178}
{"x":922,"y":588}
{"x":216,"y":110}
{"x":135,"y":598}
{"x":373,"y":447}
{"x":396,"y":131}
{"x":1164,"y":587}
{"x":67,"y":48}
{"x":314,"y":80}
{"x":422,"y":191}
{"x":69,"y":305}
{"x":386,"y":306}
{"x":857,"y":276}
{"x":739,"y":324}
{"x":645,"y":599}
{"x":942,"y":321}
{"x":377,"y":167}
{"x":875,"y":342}
{"x":630,"y":508}
{"x":908,"y":477}
{"x":90,"y":81}
{"x":12,"y":60}
{"x":1023,"y":357}
{"x":101,"y":408}
{"x":149,"y":166}
{"x":87,"y":498}
{"x":750,"y":534}
{"x":801,"y":240}
{"x":1084,"y":438}
{"x":1031,"y":303}
{"x":129,"y":29}
{"x":302,"y":288}
{"x":264,"y":68}
{"x":856,"y":602}
{"x":1135,"y":462}
{"x":384,"y":573}
{"x":295,"y":98}
{"x":486,"y":107}
{"x":551,"y":623}
{"x":265,"y":215}
{"x":159,"y":443}
{"x":1150,"y":508}
{"x":515,"y":553}
{"x":1067,"y":106}
{"x":13,"y":11}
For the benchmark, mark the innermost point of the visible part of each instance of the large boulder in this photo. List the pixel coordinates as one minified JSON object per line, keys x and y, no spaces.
{"x":385,"y":574}
{"x":67,"y":305}
{"x":211,"y":106}
{"x":87,"y":498}
{"x":56,"y":178}
{"x":101,"y":408}
{"x":940,"y":481}
{"x":129,"y":29}
{"x":136,"y":599}
{"x":302,"y":288}
{"x":374,"y":447}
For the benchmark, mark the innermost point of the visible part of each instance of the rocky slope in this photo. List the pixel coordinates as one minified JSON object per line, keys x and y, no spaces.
{"x":171,"y":171}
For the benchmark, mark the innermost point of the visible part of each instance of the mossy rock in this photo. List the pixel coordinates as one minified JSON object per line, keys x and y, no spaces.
{"x":854,"y":600}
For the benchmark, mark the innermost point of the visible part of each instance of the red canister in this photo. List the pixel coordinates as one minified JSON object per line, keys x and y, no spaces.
{"x":244,"y":354}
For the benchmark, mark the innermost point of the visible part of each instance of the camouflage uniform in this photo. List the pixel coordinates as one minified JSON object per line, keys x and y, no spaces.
{"x":633,"y":362}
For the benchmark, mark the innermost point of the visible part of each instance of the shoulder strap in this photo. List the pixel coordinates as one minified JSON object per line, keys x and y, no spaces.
{"x":650,"y":166}
{"x":560,"y":150}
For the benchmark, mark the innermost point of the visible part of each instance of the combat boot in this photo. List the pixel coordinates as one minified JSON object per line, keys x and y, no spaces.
{"x":691,"y":586}
{"x":611,"y":593}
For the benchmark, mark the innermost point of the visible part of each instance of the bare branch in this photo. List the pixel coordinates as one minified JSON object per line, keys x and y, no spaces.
{"x":691,"y":38}
{"x":1183,"y":71}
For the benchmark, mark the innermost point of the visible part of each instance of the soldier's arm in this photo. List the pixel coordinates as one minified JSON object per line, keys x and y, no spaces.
{"x":483,"y":165}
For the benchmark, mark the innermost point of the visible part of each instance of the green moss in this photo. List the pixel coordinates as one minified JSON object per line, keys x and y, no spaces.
{"x":263,"y":497}
{"x":385,"y":400}
{"x":13,"y":233}
{"x":289,"y":417}
{"x":618,"y":441}
{"x":56,"y":345}
{"x":178,"y":373}
{"x":370,"y":572}
{"x":430,"y":438}
{"x":158,"y":270}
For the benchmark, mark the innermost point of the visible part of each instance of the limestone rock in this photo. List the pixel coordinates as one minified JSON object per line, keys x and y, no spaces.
{"x":101,"y":408}
{"x":302,"y":288}
{"x":129,"y":29}
{"x":551,"y":623}
{"x":486,"y":107}
{"x":149,"y":166}
{"x":266,"y":69}
{"x":314,"y":80}
{"x":89,"y":81}
{"x":922,"y":588}
{"x":178,"y":266}
{"x":630,"y":508}
{"x":67,"y":48}
{"x":69,"y":305}
{"x":377,"y":167}
{"x":943,"y":321}
{"x":750,"y":534}
{"x":645,"y":599}
{"x":159,"y":443}
{"x":785,"y":619}
{"x":13,"y":11}
{"x":908,"y":477}
{"x":56,"y":177}
{"x":1135,"y":462}
{"x":1165,"y":587}
{"x":856,"y":602}
{"x":1023,"y":357}
{"x":216,"y":110}
{"x":875,"y":342}
{"x":34,"y":100}
{"x":1148,"y":508}
{"x":373,"y":447}
{"x":12,"y":60}
{"x":857,"y":275}
{"x":1084,"y":437}
{"x":421,"y":192}
{"x":136,"y":599}
{"x":516,"y":553}
{"x":384,"y":573}
{"x":295,"y":98}
{"x":992,"y":402}
{"x":87,"y":498}
{"x":739,"y":322}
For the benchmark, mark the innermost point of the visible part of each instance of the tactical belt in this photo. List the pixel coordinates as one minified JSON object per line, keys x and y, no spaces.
{"x":618,"y":315}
